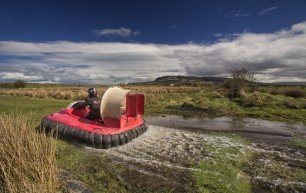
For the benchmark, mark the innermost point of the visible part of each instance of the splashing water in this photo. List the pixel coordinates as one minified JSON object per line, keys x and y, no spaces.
{"x":169,"y":154}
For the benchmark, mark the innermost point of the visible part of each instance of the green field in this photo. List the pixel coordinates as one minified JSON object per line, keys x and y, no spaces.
{"x":267,"y":102}
{"x":96,"y":170}
{"x":101,"y":174}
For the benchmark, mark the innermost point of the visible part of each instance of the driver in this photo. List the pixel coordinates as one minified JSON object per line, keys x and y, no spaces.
{"x":93,"y":101}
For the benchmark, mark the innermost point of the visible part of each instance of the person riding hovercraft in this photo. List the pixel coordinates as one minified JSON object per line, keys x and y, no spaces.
{"x":93,"y":101}
{"x":118,"y":120}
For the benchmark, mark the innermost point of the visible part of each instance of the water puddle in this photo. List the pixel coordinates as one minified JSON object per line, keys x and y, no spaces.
{"x":233,"y":124}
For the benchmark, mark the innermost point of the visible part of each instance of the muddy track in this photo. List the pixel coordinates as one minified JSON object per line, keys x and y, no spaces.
{"x":163,"y":158}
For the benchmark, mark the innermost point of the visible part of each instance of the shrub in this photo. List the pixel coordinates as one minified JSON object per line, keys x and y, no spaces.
{"x":253,"y":100}
{"x":303,"y":105}
{"x":20,"y":84}
{"x":294,"y":92}
{"x":275,"y":92}
{"x":291,"y":104}
{"x":258,"y":99}
{"x":6,"y":85}
{"x":227,"y":84}
{"x":241,"y":79}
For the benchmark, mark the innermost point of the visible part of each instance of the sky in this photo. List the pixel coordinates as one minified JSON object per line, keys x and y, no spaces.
{"x":116,"y":41}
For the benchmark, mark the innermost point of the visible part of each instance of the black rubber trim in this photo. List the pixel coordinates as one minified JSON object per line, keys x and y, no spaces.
{"x":100,"y":141}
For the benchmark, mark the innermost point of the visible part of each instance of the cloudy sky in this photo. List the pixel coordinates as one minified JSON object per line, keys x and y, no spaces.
{"x":126,"y":41}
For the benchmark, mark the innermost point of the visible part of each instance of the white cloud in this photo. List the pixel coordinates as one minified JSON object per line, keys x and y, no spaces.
{"x":218,"y":35}
{"x":123,"y":32}
{"x":89,"y":61}
{"x":267,"y":11}
{"x":18,"y":75}
{"x":278,"y":56}
{"x":237,"y":13}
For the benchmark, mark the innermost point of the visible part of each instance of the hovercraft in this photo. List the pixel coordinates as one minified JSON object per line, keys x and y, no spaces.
{"x":121,"y":120}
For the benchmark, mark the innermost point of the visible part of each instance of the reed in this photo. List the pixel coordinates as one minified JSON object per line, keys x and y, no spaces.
{"x":79,"y":93}
{"x":27,"y":159}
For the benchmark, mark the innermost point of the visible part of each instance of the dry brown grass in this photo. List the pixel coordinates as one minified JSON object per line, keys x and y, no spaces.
{"x":57,"y":93}
{"x":27,"y":159}
{"x":79,"y":93}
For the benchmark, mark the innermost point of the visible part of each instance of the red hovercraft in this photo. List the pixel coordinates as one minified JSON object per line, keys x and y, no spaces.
{"x":121,"y":120}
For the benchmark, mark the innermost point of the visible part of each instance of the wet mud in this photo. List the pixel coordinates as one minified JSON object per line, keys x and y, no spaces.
{"x":163,"y":159}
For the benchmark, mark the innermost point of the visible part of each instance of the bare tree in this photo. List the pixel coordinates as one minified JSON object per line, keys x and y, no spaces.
{"x":241,"y":79}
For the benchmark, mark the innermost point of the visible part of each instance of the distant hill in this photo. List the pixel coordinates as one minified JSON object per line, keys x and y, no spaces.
{"x":182,"y":80}
{"x":285,"y":84}
{"x":187,"y":80}
{"x":176,"y":79}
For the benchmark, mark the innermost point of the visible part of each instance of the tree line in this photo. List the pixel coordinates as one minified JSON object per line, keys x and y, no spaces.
{"x":16,"y":84}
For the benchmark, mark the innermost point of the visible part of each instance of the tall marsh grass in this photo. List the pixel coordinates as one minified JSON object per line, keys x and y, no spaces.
{"x":79,"y":93}
{"x":27,"y":159}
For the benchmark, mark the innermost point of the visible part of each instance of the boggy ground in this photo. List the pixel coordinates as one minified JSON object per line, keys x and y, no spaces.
{"x":282,"y":103}
{"x":185,"y":155}
{"x":167,"y":159}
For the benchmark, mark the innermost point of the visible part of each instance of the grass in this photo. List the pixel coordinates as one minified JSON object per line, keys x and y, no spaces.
{"x":298,"y":142}
{"x":268,"y":102}
{"x":10,"y":104}
{"x":276,"y":173}
{"x":211,"y":102}
{"x":91,"y":168}
{"x":232,"y":163}
{"x":224,"y":168}
{"x":226,"y":165}
{"x":27,"y":159}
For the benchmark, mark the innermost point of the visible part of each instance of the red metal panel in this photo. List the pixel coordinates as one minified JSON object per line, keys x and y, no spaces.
{"x":140,"y":104}
{"x":109,"y":127}
{"x":131,"y":108}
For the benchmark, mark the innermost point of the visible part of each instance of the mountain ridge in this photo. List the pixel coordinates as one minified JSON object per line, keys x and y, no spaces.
{"x":206,"y":79}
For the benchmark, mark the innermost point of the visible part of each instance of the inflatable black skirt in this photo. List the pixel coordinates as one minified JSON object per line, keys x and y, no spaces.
{"x":62,"y":131}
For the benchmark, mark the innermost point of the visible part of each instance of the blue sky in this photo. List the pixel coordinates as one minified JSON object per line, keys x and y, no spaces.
{"x":124,"y":41}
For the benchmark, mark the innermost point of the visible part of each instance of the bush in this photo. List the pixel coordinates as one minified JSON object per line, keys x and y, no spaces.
{"x":303,"y":105}
{"x":227,"y":84}
{"x":20,"y":84}
{"x":241,"y":79}
{"x":275,"y":92}
{"x":6,"y":85}
{"x":233,"y":89}
{"x":291,"y":104}
{"x":253,"y":100}
{"x":258,"y":99}
{"x":294,"y":92}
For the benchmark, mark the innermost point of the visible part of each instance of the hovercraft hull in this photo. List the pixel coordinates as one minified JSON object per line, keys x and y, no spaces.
{"x":72,"y":125}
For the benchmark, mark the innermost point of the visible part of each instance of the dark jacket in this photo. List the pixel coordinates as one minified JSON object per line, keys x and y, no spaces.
{"x":94,"y":106}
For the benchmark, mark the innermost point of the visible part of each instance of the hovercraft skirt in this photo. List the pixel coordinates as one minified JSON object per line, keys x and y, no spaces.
{"x":100,"y":141}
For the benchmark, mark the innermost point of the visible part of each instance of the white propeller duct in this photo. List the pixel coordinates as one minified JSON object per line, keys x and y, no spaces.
{"x":113,"y":103}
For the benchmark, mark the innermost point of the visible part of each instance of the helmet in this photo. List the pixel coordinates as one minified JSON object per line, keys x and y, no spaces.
{"x":92,"y":92}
